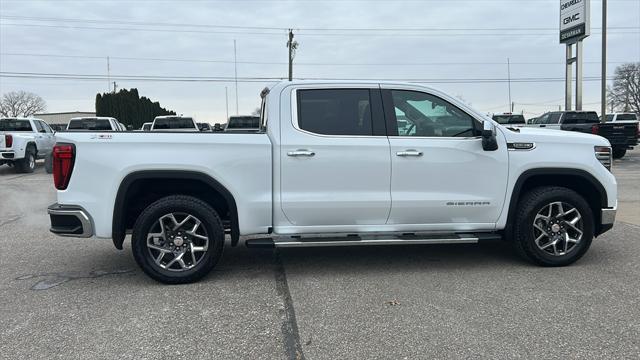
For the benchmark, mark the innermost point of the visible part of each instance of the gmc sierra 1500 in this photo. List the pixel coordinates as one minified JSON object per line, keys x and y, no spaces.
{"x":336,"y":164}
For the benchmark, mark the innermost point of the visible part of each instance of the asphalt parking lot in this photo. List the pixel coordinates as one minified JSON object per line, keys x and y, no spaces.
{"x":83,"y":299}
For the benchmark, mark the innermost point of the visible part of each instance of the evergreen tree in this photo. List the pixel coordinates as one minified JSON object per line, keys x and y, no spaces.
{"x":129,"y":107}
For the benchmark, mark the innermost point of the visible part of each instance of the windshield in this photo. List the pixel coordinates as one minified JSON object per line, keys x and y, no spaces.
{"x":14,"y":125}
{"x":509,"y":119}
{"x":173,"y":123}
{"x":89,"y":124}
{"x":244,"y":122}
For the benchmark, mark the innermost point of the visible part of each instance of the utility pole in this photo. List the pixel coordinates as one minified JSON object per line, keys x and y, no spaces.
{"x":603,"y":81}
{"x":108,"y":75}
{"x":509,"y":81}
{"x":292,"y":45}
{"x":115,"y":86}
{"x":235,"y":69}
{"x":226,"y":99}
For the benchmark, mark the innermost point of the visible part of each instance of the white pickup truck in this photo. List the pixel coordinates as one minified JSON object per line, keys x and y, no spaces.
{"x":331,"y":167}
{"x":23,"y":140}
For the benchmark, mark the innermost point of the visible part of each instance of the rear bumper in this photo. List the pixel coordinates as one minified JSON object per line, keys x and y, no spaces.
{"x":70,"y":220}
{"x":7,"y":155}
{"x":607,"y":219}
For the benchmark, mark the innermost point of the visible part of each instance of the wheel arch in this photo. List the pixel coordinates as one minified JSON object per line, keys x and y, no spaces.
{"x":577,"y":180}
{"x":130,"y":201}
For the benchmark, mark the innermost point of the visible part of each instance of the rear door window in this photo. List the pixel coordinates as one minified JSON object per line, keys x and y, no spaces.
{"x":335,"y":111}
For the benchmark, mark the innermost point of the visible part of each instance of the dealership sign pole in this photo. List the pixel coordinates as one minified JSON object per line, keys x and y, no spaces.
{"x":574,"y":27}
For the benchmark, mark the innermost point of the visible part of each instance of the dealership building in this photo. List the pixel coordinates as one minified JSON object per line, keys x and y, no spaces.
{"x":63,"y":117}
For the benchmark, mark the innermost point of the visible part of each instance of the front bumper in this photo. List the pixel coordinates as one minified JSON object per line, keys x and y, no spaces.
{"x":607,"y":219}
{"x":70,"y":220}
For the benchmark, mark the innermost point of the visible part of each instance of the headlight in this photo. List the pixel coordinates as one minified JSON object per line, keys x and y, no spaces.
{"x":603,"y":154}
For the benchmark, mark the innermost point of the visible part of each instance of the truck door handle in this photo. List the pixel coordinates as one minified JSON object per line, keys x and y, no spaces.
{"x":409,"y":153}
{"x":301,"y":153}
{"x":543,"y":125}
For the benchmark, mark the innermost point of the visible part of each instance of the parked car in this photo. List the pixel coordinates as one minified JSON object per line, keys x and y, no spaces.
{"x":146,"y":126}
{"x":174,"y":123}
{"x":204,"y":127}
{"x":320,"y":174}
{"x":510,"y":119}
{"x":96,"y":123}
{"x":23,"y":140}
{"x":622,"y":136}
{"x":243,"y":123}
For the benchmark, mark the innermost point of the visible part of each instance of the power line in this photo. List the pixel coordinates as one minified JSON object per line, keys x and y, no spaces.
{"x":69,"y":76}
{"x":449,"y":63}
{"x":244,"y":27}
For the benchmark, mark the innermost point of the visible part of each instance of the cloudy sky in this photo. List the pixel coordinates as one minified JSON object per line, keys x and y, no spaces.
{"x":181,"y":53}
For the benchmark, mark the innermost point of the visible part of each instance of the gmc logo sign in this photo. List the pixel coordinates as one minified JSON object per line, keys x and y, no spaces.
{"x":570,"y":19}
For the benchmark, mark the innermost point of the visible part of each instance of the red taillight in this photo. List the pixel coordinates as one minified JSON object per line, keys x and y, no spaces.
{"x":594,"y":129}
{"x":64,"y":156}
{"x":8,"y":141}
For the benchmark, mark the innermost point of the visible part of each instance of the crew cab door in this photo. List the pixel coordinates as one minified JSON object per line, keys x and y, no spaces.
{"x":43,"y":137}
{"x":442,"y":179}
{"x":334,"y":159}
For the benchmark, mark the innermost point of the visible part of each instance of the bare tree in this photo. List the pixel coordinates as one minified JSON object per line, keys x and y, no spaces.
{"x":256,"y":112}
{"x":624,"y":95}
{"x":21,"y":103}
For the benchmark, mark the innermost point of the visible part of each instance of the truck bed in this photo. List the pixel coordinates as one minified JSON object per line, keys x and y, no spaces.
{"x":242,"y":162}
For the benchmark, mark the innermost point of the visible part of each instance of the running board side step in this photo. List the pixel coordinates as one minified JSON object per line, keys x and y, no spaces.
{"x":365,"y":240}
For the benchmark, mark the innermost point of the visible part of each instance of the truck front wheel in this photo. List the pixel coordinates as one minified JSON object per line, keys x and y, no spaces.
{"x":554,"y":226}
{"x":177,"y":239}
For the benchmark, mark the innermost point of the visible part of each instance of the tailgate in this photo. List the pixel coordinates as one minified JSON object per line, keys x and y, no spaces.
{"x":620,"y":133}
{"x":2,"y":140}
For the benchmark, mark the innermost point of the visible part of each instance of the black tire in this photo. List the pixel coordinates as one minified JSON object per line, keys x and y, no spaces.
{"x":529,"y":206}
{"x":178,"y":204}
{"x":28,"y":163}
{"x":48,"y":163}
{"x":618,"y":152}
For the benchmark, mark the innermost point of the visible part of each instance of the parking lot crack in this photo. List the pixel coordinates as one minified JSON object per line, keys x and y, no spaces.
{"x":10,"y":219}
{"x":292,"y":345}
{"x":54,"y":279}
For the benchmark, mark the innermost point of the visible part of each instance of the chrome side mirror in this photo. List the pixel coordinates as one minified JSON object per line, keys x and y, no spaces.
{"x":489,"y":142}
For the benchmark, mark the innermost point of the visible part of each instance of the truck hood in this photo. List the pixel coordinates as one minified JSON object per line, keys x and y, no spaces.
{"x":528,"y":134}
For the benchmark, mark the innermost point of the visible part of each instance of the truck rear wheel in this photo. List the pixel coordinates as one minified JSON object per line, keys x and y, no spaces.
{"x":554,"y":226}
{"x":178,"y":239}
{"x":618,"y":152}
{"x":28,"y":164}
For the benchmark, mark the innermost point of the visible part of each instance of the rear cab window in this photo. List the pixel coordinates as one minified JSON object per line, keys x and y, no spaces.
{"x":90,"y":124}
{"x":589,"y":117}
{"x":626,"y":117}
{"x":244,"y":122}
{"x":509,"y":119}
{"x":15,"y":125}
{"x":174,"y":123}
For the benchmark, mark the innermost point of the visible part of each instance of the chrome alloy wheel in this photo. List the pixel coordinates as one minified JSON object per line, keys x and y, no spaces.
{"x":177,"y":241}
{"x":558,"y":228}
{"x":32,"y":161}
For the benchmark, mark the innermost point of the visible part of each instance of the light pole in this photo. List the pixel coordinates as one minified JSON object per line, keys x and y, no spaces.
{"x":603,"y":81}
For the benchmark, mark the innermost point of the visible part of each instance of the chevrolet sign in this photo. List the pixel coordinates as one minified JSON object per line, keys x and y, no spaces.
{"x":574,"y":20}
